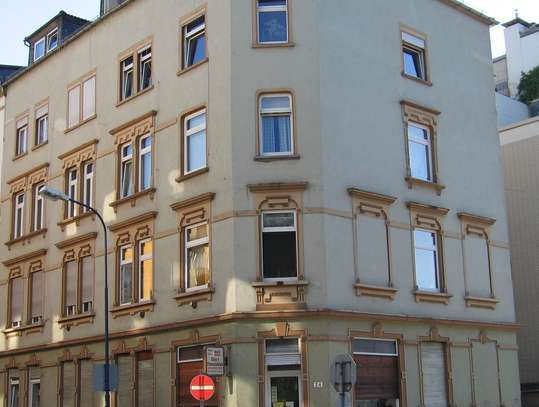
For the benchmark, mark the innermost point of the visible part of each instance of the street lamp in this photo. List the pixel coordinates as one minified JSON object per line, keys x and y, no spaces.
{"x":55,"y":195}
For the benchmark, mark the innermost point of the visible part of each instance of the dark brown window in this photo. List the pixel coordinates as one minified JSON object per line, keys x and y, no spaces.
{"x":190,"y":363}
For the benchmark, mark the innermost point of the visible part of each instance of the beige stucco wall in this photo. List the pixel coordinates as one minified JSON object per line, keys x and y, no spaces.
{"x":344,"y":71}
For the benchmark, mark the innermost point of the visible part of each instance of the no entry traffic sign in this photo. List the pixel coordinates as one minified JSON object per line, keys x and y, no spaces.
{"x":202,"y":387}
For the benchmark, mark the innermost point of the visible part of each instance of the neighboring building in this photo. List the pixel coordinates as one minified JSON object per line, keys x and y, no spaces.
{"x":520,"y":152}
{"x":288,"y":179}
{"x":522,"y":55}
{"x":52,"y":35}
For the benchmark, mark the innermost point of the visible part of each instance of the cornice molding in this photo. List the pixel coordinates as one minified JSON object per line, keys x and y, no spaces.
{"x":133,"y":221}
{"x":75,"y":240}
{"x":24,"y":257}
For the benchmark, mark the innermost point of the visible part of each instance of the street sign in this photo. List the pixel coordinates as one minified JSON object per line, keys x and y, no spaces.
{"x":99,"y":377}
{"x":214,"y":360}
{"x":202,"y":387}
{"x":344,"y":376}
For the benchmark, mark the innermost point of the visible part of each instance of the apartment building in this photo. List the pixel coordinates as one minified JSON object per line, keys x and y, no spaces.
{"x":288,"y":179}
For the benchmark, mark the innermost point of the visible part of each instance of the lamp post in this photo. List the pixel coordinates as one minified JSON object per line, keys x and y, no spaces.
{"x":56,"y":195}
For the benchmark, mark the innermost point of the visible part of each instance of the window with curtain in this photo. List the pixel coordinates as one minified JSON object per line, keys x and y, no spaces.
{"x":126,"y":274}
{"x":126,"y":170}
{"x":145,"y":163}
{"x":21,"y":143}
{"x":88,"y":187}
{"x":72,"y":183}
{"x":42,"y":125}
{"x":276,"y":125}
{"x":34,"y":386}
{"x":145,"y":269}
{"x":39,"y":208}
{"x":16,"y":306}
{"x":197,"y":259}
{"x":272,"y":21}
{"x":135,"y":272}
{"x":14,"y":388}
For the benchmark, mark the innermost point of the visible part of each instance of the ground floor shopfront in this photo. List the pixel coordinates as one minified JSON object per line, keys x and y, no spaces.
{"x":281,"y":361}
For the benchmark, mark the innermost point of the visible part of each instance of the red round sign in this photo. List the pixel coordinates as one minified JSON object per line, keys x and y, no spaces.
{"x":202,"y":387}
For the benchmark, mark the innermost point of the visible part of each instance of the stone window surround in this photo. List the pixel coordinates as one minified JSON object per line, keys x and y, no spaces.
{"x":73,"y":84}
{"x":131,"y":132}
{"x":25,"y":118}
{"x":479,"y":226}
{"x":429,"y":217}
{"x":22,"y":267}
{"x":75,"y":249}
{"x":132,"y":231}
{"x":133,"y":51}
{"x":257,"y":44}
{"x":192,"y":211}
{"x":25,"y":183}
{"x":282,"y":330}
{"x":377,"y":206}
{"x":188,"y":18}
{"x":77,"y":158}
{"x":424,"y":37}
{"x":279,"y":196}
{"x":415,"y":113}
{"x":294,"y":128}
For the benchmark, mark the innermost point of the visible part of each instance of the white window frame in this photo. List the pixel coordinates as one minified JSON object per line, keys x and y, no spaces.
{"x":39,"y":203}
{"x":49,"y":36}
{"x":188,"y":133}
{"x":31,"y":394}
{"x":72,"y":191}
{"x":427,"y":143}
{"x":124,"y":159}
{"x":41,"y":40}
{"x":88,"y":192}
{"x":22,"y":140}
{"x":276,"y":112}
{"x":140,"y":259}
{"x":18,"y":215}
{"x":142,"y":61}
{"x":191,"y":244}
{"x":142,"y":152}
{"x":127,"y":69}
{"x":276,"y":230}
{"x":436,"y":250}
{"x":188,"y":36}
{"x":379,"y":340}
{"x":14,"y":381}
{"x":267,"y":9}
{"x":417,"y":45}
{"x":42,"y":137}
{"x":124,"y":263}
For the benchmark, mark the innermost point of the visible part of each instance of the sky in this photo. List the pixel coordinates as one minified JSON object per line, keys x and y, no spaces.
{"x":23,"y":17}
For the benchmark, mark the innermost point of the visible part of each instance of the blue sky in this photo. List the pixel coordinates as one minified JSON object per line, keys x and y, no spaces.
{"x":23,"y":17}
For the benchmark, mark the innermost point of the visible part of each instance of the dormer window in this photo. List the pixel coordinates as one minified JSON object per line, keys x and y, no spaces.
{"x":52,"y":40}
{"x":39,"y":49}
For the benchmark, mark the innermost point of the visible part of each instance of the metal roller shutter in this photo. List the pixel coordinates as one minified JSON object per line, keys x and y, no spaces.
{"x":434,"y":375}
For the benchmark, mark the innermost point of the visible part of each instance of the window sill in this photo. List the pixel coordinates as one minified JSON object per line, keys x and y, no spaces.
{"x":190,"y":297}
{"x":193,"y":174}
{"x":387,"y":293}
{"x":265,"y":158}
{"x":190,"y":68}
{"x":277,"y":45}
{"x":18,"y":157}
{"x":26,"y":238}
{"x":38,"y":146}
{"x":411,"y":181}
{"x":82,"y":123}
{"x":132,"y":309}
{"x":481,"y":302}
{"x":280,"y":295}
{"x":26,"y":329}
{"x":75,"y":219}
{"x":418,"y":80}
{"x":133,"y":198}
{"x":432,"y":297}
{"x":142,"y":92}
{"x":76,"y":320}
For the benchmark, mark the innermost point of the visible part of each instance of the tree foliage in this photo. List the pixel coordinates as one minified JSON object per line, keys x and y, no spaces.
{"x":528,"y":88}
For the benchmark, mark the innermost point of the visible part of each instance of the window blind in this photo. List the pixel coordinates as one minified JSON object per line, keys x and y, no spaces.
{"x":37,"y":294}
{"x":434,"y":376}
{"x":68,"y":384}
{"x":145,"y":379}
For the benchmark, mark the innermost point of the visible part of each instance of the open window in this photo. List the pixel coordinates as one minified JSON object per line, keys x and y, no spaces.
{"x":414,"y":55}
{"x":21,"y":141}
{"x":194,"y":42}
{"x":279,"y":245}
{"x":420,"y":154}
{"x":135,"y":71}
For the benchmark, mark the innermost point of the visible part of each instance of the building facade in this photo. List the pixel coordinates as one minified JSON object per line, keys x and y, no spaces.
{"x":287,"y":179}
